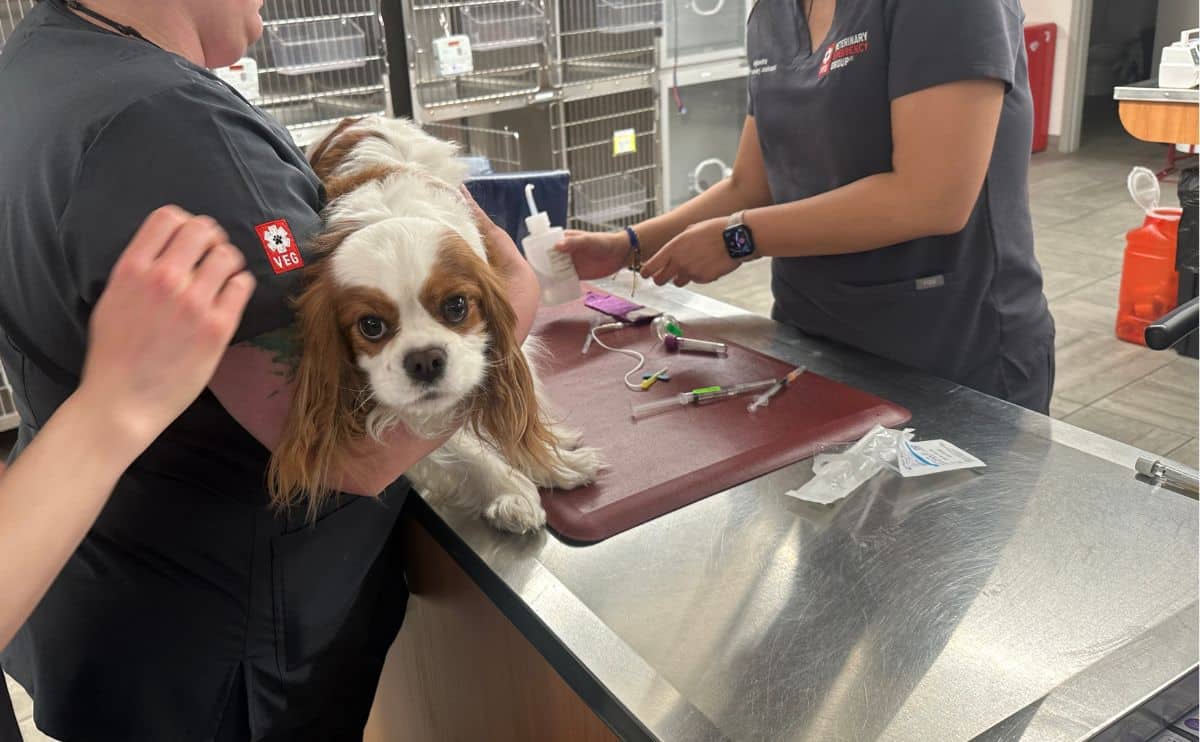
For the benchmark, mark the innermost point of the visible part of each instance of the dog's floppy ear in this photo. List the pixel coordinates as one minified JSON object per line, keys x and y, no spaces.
{"x":504,"y":410}
{"x":328,"y":153}
{"x":327,"y":412}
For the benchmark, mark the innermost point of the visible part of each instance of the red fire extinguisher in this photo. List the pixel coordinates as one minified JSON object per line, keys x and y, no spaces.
{"x":1040,"y":42}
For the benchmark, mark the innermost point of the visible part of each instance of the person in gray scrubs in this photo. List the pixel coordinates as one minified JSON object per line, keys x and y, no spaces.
{"x":191,"y":610}
{"x":883,"y":169}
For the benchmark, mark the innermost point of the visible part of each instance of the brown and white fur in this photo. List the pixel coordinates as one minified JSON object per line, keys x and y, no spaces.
{"x":404,"y":321}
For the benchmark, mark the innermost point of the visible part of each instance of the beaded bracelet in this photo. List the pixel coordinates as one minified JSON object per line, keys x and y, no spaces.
{"x":635,"y":247}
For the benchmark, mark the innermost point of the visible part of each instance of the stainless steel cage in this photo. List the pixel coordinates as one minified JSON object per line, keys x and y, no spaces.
{"x":319,"y":61}
{"x":609,"y":144}
{"x":511,"y":45}
{"x":525,"y":52}
{"x":607,"y":40}
{"x":489,"y":150}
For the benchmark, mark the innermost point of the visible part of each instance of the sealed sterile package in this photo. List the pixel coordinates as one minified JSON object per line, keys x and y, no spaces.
{"x":918,"y":459}
{"x":838,"y":474}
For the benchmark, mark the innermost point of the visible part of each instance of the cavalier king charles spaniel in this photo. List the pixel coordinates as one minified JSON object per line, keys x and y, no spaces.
{"x":403,"y":320}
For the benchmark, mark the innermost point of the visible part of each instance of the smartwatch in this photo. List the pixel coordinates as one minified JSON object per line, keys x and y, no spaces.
{"x":739,"y":242}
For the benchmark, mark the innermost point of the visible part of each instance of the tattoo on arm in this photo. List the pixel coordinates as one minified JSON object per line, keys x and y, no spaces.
{"x":284,"y":346}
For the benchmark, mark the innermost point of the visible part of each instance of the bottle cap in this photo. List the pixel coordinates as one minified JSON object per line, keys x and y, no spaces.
{"x":537,"y":221}
{"x":1144,"y":189}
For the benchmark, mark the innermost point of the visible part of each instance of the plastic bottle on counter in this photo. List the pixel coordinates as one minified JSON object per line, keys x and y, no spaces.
{"x":555,"y":270}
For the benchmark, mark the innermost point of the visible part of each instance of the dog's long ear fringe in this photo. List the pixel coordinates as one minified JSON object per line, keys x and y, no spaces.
{"x":504,"y":411}
{"x":328,"y":410}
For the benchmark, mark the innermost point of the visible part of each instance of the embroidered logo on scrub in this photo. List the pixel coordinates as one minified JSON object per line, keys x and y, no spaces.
{"x":842,"y":53}
{"x":759,"y":66}
{"x":280,"y":246}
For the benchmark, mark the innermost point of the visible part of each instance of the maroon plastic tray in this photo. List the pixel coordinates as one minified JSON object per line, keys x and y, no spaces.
{"x":661,"y":463}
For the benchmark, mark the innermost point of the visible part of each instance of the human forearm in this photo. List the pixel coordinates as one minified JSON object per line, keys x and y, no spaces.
{"x":524,"y":294}
{"x":720,"y":200}
{"x":47,"y":503}
{"x":833,"y":223}
{"x":746,"y":188}
{"x":927,"y":192}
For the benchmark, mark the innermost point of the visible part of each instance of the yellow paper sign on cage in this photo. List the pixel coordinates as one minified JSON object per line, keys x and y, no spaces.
{"x":624,"y":142}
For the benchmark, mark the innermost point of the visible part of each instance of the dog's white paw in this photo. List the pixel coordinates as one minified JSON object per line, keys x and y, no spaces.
{"x":573,"y":469}
{"x":516,"y":513}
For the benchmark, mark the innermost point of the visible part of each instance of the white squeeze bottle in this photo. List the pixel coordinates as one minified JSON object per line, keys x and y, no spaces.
{"x":554,"y":269}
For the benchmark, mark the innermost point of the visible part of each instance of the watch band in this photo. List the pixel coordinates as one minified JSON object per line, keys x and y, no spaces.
{"x":737,"y":219}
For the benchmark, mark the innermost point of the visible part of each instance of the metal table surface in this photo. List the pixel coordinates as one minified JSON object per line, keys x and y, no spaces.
{"x":1039,"y":599}
{"x":1148,"y":90}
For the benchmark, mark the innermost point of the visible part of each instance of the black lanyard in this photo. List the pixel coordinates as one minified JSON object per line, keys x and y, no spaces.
{"x":120,"y":28}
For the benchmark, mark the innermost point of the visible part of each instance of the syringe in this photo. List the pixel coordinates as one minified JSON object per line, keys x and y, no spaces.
{"x":764,"y":399}
{"x":702,"y":396}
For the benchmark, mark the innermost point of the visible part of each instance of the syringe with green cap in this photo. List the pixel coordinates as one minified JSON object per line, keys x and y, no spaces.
{"x":701,"y":396}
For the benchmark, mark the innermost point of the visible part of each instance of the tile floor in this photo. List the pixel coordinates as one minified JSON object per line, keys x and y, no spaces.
{"x":1081,"y":212}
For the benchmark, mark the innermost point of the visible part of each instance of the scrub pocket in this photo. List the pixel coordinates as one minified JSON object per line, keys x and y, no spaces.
{"x":937,"y":324}
{"x":318,"y":573}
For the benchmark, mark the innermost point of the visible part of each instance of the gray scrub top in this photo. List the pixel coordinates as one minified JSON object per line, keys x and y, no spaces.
{"x":968,"y":306}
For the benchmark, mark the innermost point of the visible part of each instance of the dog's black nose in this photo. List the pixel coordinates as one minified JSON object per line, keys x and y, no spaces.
{"x":425,"y":366}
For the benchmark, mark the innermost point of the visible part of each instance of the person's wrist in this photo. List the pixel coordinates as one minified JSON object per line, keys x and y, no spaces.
{"x":117,"y":426}
{"x":629,"y":243}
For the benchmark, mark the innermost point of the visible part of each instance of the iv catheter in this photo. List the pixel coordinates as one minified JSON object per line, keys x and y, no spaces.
{"x":702,"y":396}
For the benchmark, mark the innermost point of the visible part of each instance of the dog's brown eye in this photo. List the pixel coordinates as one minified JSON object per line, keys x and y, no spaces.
{"x":455,"y":309}
{"x":372,"y":328}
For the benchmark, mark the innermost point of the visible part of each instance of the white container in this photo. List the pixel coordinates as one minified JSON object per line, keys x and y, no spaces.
{"x":621,"y":16}
{"x":317,"y":46}
{"x":504,"y":25}
{"x":1180,"y":67}
{"x":608,"y":201}
{"x":555,"y":271}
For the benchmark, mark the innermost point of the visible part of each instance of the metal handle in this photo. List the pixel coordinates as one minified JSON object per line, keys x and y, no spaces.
{"x":1169,"y":472}
{"x":1172,"y":328}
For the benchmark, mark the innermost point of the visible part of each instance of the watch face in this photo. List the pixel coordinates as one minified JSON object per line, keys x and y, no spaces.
{"x":738,"y":242}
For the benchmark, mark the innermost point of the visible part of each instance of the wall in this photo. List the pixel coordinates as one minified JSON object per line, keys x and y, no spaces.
{"x":1059,"y":12}
{"x":1173,"y":17}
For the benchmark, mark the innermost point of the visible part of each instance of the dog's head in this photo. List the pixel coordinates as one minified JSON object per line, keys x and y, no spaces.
{"x":404,"y":320}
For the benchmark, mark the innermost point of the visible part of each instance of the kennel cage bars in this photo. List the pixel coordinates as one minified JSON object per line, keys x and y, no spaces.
{"x":317,"y":62}
{"x":609,"y":143}
{"x":471,"y":57}
{"x":546,"y":85}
